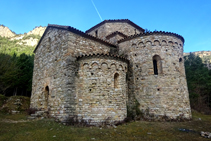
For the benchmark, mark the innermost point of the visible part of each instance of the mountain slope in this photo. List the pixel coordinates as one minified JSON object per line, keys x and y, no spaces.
{"x":6,"y":32}
{"x":204,"y":55}
{"x":11,"y":43}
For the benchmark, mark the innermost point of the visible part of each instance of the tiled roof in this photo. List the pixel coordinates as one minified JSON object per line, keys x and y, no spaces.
{"x":119,"y":20}
{"x":76,"y":31}
{"x":108,"y":55}
{"x":152,"y":33}
{"x":115,"y":33}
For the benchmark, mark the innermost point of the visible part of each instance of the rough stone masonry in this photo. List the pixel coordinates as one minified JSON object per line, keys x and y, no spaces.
{"x":110,"y":70}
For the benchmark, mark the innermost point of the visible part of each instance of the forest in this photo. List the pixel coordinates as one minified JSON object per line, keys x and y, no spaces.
{"x":199,"y":83}
{"x":16,"y":70}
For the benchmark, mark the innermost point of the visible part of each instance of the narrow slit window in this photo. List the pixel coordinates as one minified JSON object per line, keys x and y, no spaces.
{"x":96,"y":33}
{"x":116,"y":80}
{"x":46,"y":93}
{"x":155,"y":67}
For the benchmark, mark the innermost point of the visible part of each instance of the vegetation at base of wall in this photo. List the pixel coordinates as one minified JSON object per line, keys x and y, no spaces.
{"x":14,"y":103}
{"x":199,"y":83}
{"x":47,"y":129}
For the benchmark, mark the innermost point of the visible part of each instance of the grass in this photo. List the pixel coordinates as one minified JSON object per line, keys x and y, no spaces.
{"x":47,"y":129}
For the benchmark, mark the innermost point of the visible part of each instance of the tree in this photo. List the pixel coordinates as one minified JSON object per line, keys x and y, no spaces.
{"x":199,"y":83}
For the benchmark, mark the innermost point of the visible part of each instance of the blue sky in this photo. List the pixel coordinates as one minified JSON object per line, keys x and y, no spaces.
{"x":189,"y":18}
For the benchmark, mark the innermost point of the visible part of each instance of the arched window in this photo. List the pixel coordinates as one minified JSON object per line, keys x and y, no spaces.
{"x":116,"y":80}
{"x":157,"y":64}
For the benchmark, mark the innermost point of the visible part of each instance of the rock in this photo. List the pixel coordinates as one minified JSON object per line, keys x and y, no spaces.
{"x":114,"y":126}
{"x":206,"y":134}
{"x":6,"y":32}
{"x":31,"y":118}
{"x":37,"y":31}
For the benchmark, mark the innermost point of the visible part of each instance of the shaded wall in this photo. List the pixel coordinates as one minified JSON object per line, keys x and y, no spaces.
{"x":55,"y":66}
{"x":165,"y":94}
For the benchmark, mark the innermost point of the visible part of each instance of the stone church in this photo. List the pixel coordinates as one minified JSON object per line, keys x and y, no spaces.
{"x":113,"y":70}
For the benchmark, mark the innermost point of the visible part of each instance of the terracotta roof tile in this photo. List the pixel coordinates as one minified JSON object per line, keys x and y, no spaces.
{"x":151,"y":33}
{"x":103,"y":54}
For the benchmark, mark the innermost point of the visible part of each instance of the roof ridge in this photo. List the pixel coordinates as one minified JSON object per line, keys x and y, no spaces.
{"x":76,"y":31}
{"x":150,"y":33}
{"x":116,"y":20}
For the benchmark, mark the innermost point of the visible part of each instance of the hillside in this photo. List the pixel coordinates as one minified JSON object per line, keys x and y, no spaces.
{"x":204,"y":55}
{"x":19,"y":43}
{"x":6,"y":32}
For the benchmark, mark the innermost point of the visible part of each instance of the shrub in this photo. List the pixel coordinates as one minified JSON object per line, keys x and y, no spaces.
{"x":2,"y":100}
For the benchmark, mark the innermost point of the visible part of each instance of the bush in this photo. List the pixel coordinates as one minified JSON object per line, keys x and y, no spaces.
{"x":16,"y":103}
{"x":2,"y":100}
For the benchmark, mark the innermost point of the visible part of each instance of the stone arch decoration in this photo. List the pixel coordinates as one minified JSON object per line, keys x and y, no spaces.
{"x":170,"y":43}
{"x":148,"y":43}
{"x":141,"y":44}
{"x":113,"y":66}
{"x":164,"y":43}
{"x":86,"y":66}
{"x":156,"y":43}
{"x":104,"y":66}
{"x":94,"y":65}
{"x":157,"y":64}
{"x":120,"y":68}
{"x":133,"y":47}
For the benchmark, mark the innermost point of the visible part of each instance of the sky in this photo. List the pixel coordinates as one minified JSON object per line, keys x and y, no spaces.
{"x":188,"y":18}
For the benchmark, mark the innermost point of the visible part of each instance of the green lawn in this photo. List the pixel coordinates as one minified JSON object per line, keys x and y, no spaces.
{"x":47,"y":129}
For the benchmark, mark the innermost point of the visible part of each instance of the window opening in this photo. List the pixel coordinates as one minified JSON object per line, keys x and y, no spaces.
{"x":155,"y":67}
{"x":116,"y":80}
{"x":46,"y":93}
{"x":180,"y":60}
{"x":157,"y":64}
{"x":96,"y":33}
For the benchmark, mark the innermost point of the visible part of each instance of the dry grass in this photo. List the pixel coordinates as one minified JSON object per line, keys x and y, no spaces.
{"x":46,"y":129}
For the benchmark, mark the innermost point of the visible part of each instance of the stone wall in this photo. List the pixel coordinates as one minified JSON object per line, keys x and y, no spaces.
{"x":115,"y":39}
{"x":55,"y":67}
{"x":108,"y":28}
{"x":165,"y":94}
{"x":101,"y":89}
